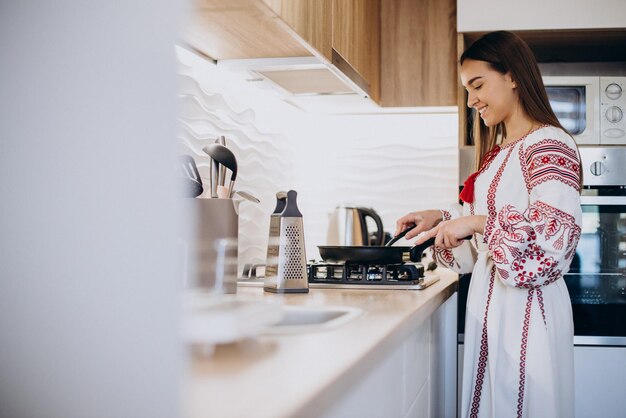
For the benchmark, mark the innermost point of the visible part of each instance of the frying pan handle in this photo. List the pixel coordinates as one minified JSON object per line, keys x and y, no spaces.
{"x":417,"y":251}
{"x":400,"y":235}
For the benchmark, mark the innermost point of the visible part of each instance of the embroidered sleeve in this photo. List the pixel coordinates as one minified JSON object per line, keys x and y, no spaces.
{"x":535,"y":246}
{"x":460,"y":259}
{"x":550,"y":159}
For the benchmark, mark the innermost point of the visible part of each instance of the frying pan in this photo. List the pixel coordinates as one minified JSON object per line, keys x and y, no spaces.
{"x":375,"y":255}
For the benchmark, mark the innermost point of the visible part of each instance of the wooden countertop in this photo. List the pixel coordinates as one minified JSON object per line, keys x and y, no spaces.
{"x":293,"y":375}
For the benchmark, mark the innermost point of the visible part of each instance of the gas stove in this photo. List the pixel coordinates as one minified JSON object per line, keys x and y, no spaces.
{"x":325,"y":275}
{"x":369,"y":276}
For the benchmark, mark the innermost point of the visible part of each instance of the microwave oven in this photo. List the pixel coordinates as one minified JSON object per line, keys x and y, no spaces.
{"x":592,"y":109}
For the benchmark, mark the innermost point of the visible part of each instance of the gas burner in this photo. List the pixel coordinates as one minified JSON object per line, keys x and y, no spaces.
{"x":364,"y":274}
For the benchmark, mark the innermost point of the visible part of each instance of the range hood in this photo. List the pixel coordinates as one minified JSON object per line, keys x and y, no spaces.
{"x":297,"y":76}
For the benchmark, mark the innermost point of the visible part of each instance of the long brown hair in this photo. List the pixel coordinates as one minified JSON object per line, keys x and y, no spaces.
{"x":506,"y":52}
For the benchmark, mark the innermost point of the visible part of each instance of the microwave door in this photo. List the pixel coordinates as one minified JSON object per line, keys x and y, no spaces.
{"x":575,"y":101}
{"x":570,"y":107}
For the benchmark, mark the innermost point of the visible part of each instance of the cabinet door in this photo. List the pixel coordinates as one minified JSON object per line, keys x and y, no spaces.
{"x":275,"y":5}
{"x":312,"y":20}
{"x":356,"y":42}
{"x":238,"y":29}
{"x":418,"y":53}
{"x":600,"y":374}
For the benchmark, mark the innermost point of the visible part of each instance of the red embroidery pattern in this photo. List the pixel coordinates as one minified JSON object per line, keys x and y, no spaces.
{"x":540,"y":299}
{"x":552,"y":221}
{"x":484,"y":351}
{"x":475,"y":237}
{"x":467,"y":194}
{"x":491,"y":196}
{"x":444,"y":255}
{"x":487,"y":162}
{"x":522,"y":360}
{"x":549,"y":159}
{"x":514,"y":243}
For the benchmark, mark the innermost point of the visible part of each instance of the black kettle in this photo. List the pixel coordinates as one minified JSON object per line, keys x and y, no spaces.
{"x":348,"y":227}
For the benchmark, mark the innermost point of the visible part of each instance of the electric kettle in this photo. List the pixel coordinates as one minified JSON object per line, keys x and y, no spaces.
{"x":348,"y":227}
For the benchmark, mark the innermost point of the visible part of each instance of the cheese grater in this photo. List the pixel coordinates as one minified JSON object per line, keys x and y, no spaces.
{"x":285,"y":271}
{"x":273,"y":243}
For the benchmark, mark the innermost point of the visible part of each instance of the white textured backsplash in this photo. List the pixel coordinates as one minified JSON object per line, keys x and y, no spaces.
{"x":391,"y":162}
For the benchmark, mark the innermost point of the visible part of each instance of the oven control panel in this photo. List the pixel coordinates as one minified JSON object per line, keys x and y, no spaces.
{"x":603,"y":166}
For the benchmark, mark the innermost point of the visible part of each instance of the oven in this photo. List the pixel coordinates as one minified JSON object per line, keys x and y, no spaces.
{"x":597,"y":277}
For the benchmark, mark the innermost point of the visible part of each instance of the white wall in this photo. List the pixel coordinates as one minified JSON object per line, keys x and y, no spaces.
{"x":88,"y":224}
{"x":488,"y":15}
{"x":393,"y":162}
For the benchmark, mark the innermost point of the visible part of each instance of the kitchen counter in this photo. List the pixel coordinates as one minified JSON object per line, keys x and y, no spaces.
{"x":301,"y":374}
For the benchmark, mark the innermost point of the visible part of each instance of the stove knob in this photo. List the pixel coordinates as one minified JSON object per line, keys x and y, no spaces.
{"x":597,"y":168}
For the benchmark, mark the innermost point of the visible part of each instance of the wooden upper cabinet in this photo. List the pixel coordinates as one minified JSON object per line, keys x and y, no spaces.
{"x":401,"y":52}
{"x":356,"y":42}
{"x":236,"y":29}
{"x":311,"y":19}
{"x":275,"y":5}
{"x":418,"y":53}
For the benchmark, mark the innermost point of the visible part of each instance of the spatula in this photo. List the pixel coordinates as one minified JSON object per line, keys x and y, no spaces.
{"x":222,"y":172}
{"x":222,"y":155}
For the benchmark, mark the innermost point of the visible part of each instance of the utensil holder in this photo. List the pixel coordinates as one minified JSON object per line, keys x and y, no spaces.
{"x":213,"y":221}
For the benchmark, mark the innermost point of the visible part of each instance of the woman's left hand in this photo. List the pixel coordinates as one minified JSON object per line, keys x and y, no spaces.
{"x":450,"y":234}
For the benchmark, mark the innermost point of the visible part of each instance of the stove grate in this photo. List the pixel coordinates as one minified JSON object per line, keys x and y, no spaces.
{"x":391,"y":274}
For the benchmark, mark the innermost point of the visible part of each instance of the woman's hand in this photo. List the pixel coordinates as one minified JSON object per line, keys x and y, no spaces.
{"x":424,"y":220}
{"x":450,"y":234}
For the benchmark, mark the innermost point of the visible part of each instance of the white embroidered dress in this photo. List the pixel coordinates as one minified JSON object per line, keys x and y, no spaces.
{"x":518,"y":359}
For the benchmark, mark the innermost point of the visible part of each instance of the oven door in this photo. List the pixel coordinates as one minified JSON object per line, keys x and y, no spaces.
{"x":597,"y":277}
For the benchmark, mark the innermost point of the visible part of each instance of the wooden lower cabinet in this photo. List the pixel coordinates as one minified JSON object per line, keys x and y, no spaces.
{"x":416,"y":378}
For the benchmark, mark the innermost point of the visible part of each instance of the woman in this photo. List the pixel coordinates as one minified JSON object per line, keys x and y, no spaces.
{"x":522,"y":208}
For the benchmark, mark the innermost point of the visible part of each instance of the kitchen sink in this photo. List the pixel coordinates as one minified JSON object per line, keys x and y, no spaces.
{"x":301,"y":319}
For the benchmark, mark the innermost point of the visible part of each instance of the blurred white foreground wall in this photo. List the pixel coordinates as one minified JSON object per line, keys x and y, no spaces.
{"x":88,"y":214}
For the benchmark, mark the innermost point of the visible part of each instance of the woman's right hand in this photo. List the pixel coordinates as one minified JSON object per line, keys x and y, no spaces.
{"x":423,"y":219}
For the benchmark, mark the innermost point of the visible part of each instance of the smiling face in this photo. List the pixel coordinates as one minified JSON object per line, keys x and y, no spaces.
{"x":491,"y":93}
